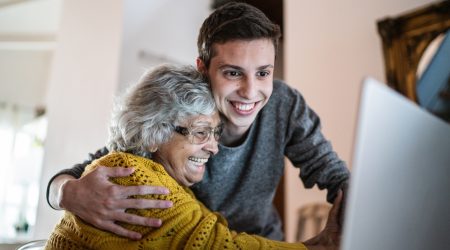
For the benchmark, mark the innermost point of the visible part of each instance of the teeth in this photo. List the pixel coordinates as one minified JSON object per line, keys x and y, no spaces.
{"x":244,"y":106}
{"x":198,"y":160}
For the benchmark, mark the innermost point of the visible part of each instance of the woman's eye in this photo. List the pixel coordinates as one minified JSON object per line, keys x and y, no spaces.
{"x":201,"y":133}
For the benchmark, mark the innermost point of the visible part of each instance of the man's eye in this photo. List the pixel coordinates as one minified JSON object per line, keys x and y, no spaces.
{"x":263,"y":73}
{"x":232,"y":73}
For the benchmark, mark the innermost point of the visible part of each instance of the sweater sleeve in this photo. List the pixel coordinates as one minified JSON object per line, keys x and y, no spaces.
{"x":309,"y":150}
{"x":77,"y":169}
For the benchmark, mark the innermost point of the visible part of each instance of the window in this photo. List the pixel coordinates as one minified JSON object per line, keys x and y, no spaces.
{"x":22,"y":133}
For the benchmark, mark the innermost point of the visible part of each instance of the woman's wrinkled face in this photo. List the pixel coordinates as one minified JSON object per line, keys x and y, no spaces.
{"x":183,"y":157}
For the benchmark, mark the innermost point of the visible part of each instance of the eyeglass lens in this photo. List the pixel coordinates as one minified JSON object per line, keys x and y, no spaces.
{"x":202,"y":134}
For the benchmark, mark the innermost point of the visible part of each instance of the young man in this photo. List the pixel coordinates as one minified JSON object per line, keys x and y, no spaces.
{"x":265,"y":120}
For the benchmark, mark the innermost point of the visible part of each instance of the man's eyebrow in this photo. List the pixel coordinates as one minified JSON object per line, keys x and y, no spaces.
{"x":231,"y":66}
{"x":242,"y":69}
{"x":266,"y":66}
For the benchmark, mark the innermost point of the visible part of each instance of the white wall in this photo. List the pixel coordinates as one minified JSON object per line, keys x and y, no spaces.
{"x":30,"y":18}
{"x":24,"y":76}
{"x":329,"y":47}
{"x":159,"y":31}
{"x":83,"y":80}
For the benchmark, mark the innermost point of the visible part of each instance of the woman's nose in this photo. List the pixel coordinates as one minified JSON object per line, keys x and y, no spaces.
{"x":212,"y":145}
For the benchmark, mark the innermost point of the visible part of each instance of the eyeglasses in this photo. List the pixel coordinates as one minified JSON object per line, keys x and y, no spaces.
{"x":200,"y":135}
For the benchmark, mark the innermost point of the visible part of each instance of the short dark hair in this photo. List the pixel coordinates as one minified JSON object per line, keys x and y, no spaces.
{"x":234,"y":21}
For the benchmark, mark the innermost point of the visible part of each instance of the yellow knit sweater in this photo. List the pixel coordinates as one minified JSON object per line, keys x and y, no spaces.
{"x":186,"y":225}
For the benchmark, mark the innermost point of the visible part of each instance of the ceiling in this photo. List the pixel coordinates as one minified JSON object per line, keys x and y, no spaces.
{"x":28,"y":31}
{"x":4,"y":3}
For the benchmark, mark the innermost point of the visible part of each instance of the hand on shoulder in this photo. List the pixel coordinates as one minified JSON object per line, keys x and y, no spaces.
{"x":101,"y":203}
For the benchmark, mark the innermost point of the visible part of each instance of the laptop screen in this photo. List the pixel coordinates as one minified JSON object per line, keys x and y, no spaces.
{"x":399,"y":192}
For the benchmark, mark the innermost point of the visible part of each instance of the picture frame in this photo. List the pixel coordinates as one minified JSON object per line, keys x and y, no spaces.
{"x":405,"y":39}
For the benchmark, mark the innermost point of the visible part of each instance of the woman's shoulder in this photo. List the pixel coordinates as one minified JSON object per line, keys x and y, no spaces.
{"x":126,"y":160}
{"x":122,"y":159}
{"x":146,"y":171}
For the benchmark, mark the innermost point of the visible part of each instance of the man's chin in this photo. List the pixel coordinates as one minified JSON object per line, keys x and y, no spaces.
{"x":243,"y":123}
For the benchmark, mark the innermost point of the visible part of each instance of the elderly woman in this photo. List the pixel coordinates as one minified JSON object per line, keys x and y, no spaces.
{"x":166,"y":129}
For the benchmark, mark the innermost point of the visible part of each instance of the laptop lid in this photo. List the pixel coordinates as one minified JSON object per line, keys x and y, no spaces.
{"x":399,"y":191}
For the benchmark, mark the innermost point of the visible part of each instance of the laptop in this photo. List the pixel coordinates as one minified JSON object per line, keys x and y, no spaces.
{"x":399,"y":196}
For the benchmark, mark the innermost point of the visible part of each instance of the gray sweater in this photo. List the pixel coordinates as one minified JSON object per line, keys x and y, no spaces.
{"x":240,"y":182}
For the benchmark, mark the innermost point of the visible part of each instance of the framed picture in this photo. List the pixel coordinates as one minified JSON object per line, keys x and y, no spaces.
{"x":406,"y":39}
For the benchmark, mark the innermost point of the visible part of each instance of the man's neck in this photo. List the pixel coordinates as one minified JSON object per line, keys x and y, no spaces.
{"x":233,"y":135}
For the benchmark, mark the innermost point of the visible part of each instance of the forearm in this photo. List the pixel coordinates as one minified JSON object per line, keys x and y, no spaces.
{"x":54,"y":190}
{"x":309,"y":150}
{"x":333,"y":177}
{"x":322,"y":167}
{"x":54,"y":184}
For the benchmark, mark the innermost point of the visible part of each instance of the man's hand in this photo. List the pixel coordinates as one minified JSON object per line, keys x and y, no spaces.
{"x":101,"y":203}
{"x":330,"y":237}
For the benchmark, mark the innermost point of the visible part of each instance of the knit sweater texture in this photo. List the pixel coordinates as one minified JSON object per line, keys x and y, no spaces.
{"x":187,"y":225}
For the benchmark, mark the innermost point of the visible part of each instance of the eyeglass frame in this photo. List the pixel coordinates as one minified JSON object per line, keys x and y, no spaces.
{"x":188,"y":132}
